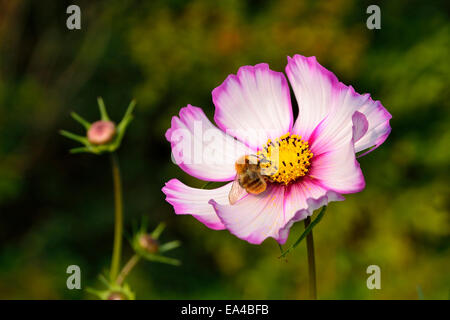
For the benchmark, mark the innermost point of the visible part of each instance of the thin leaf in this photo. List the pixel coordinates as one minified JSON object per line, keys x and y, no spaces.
{"x":81,"y":120}
{"x":144,"y":223}
{"x":74,"y":136}
{"x":305,"y":233}
{"x":101,"y":106}
{"x":130,"y":109}
{"x":104,"y":280}
{"x":207,"y":184}
{"x":163,"y":259}
{"x":158,"y":258}
{"x":159,"y":229}
{"x":127,"y":118}
{"x":80,"y":150}
{"x":121,"y":128}
{"x":98,"y":293}
{"x":169,"y":246}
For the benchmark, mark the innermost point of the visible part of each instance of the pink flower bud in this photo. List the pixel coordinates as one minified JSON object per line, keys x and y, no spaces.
{"x":101,"y":132}
{"x":117,"y":296}
{"x":148,"y":243}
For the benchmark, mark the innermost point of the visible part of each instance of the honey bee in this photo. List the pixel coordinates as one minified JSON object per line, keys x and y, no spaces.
{"x":248,"y":178}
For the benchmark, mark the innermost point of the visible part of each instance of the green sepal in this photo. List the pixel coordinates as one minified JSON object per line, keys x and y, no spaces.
{"x":74,"y":137}
{"x":80,"y":120}
{"x":169,"y":246}
{"x":102,"y":109}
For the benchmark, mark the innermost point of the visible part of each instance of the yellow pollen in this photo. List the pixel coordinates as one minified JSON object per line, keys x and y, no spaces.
{"x":286,"y":159}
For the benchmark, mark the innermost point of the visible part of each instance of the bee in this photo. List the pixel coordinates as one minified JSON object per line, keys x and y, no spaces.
{"x":248,"y":178}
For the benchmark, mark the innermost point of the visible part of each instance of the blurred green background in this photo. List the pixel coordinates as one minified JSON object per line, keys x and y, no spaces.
{"x":56,"y":209}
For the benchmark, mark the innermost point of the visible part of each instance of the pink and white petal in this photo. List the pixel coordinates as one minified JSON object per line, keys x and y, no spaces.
{"x":201,"y":149}
{"x":334,"y":165}
{"x":338,"y":170}
{"x":378,"y":126}
{"x":320,"y":95}
{"x":360,"y":125}
{"x":337,"y":128}
{"x":255,"y":217}
{"x":301,"y":200}
{"x":254,"y":105}
{"x":193,"y":201}
{"x":315,"y":90}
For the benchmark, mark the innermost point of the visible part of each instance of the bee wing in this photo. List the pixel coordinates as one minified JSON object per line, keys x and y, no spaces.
{"x":236,"y":192}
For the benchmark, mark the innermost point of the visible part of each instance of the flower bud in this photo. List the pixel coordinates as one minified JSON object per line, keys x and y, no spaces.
{"x":101,"y":132}
{"x":117,"y":296}
{"x":147,"y":243}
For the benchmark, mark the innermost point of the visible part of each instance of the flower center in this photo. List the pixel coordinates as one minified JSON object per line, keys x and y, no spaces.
{"x":286,"y":159}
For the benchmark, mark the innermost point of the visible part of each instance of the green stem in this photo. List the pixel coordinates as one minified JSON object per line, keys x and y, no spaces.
{"x":127,"y":268}
{"x":311,"y":262}
{"x":118,"y":217}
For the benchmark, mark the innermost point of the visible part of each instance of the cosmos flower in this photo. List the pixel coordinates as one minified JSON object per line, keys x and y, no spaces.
{"x":316,"y":153}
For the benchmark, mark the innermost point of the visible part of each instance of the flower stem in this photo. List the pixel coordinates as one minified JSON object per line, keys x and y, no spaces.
{"x":311,"y":262}
{"x":127,"y":268}
{"x":118,"y":217}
